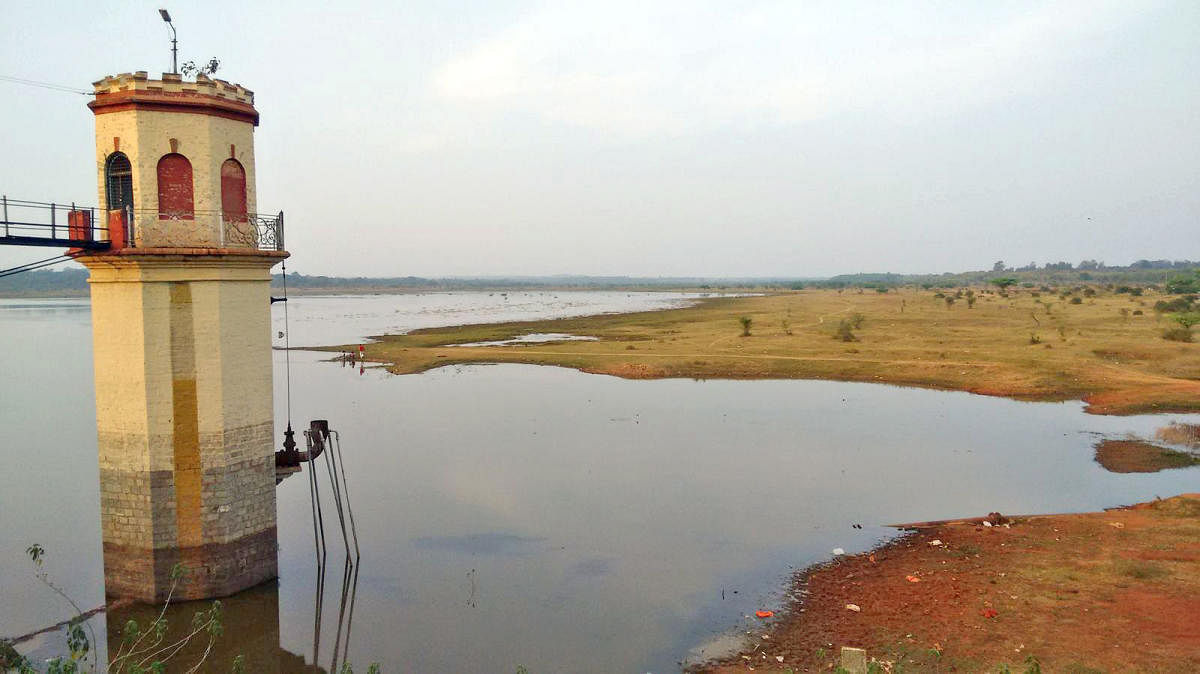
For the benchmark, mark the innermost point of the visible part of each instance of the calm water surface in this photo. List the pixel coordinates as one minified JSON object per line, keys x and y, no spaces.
{"x":539,"y":516}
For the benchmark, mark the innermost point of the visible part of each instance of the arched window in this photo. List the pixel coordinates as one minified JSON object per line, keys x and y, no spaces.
{"x":175,"y":188}
{"x":118,"y":182}
{"x":233,"y":191}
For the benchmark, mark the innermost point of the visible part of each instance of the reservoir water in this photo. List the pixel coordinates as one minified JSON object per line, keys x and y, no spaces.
{"x":521,"y":515}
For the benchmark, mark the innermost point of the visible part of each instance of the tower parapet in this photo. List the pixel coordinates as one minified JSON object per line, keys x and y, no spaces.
{"x":175,"y":162}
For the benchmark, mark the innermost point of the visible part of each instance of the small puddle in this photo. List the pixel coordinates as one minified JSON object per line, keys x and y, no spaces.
{"x":534,"y":338}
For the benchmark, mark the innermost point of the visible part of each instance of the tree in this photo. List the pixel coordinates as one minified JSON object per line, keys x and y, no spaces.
{"x":745,"y":321}
{"x":1185,"y":283}
{"x":1187,"y":319}
{"x":1003,"y":282}
{"x":999,"y":266}
{"x":190,"y":69}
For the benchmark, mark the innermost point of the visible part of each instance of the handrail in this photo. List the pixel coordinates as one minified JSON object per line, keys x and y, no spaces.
{"x":42,"y":223}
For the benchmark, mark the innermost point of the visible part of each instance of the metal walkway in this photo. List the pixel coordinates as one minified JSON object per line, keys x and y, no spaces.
{"x":36,"y":223}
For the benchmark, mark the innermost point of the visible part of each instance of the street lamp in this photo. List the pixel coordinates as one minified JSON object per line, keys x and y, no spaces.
{"x":166,"y":16}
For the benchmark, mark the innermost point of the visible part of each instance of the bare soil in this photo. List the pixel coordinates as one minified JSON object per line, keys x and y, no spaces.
{"x":1111,"y":591}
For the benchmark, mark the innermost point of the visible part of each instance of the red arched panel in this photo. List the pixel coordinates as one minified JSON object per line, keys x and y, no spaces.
{"x":233,"y":191}
{"x":175,"y":187}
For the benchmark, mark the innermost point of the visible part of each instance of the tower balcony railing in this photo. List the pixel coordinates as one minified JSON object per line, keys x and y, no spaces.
{"x":52,"y":224}
{"x":147,"y":227}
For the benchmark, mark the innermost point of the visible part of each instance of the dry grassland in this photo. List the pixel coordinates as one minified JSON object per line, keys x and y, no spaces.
{"x":1028,"y":345}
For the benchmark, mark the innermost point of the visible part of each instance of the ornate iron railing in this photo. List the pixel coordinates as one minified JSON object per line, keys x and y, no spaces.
{"x":259,"y":231}
{"x":252,"y":230}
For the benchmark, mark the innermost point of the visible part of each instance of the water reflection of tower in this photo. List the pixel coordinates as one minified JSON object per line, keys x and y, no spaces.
{"x":251,"y":630}
{"x":181,"y":338}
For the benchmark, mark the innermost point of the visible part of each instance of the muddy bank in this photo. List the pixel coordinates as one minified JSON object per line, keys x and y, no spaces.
{"x":1111,"y":591}
{"x":1137,"y":456}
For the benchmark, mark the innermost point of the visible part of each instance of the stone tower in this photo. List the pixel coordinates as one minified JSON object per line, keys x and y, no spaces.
{"x":181,"y":339}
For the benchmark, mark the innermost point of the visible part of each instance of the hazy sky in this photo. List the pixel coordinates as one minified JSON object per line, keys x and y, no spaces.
{"x":658,"y":139}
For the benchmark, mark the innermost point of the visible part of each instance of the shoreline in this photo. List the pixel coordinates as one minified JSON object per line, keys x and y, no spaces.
{"x":1111,"y":590}
{"x":1115,"y":363}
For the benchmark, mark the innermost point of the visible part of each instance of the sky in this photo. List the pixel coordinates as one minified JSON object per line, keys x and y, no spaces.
{"x":797,"y":138}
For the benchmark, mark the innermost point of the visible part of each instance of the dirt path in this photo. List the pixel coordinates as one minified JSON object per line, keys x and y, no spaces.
{"x":1110,"y":591}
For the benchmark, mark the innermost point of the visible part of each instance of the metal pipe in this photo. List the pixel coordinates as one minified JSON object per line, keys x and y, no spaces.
{"x":337,"y":444}
{"x":330,"y":464}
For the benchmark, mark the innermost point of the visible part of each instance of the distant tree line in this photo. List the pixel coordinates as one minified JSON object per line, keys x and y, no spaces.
{"x":1172,"y":274}
{"x":1169,"y":273}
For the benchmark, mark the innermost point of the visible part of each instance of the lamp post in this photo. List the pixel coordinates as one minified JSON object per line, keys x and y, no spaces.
{"x":166,"y":16}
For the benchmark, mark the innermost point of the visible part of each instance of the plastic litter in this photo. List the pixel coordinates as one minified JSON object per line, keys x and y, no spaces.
{"x":912,"y":579}
{"x":839,"y":551}
{"x":936,"y":541}
{"x":764,"y":614}
{"x":853,"y":607}
{"x":989,"y":613}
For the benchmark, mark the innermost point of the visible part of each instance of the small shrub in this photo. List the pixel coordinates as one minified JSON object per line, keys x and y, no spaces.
{"x":1141,"y":570}
{"x":845,"y":331}
{"x":1138,"y":312}
{"x":1034,"y":339}
{"x":745,"y":321}
{"x":787,"y":326}
{"x":1180,"y":334}
{"x":1076,"y":300}
{"x":1184,"y":303}
{"x":856,"y":320}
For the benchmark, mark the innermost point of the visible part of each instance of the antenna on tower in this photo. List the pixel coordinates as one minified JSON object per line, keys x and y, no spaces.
{"x":166,"y":16}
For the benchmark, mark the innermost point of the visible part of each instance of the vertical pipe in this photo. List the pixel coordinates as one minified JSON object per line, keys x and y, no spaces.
{"x":337,"y":445}
{"x":279,"y":232}
{"x":53,"y":228}
{"x":5,"y":200}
